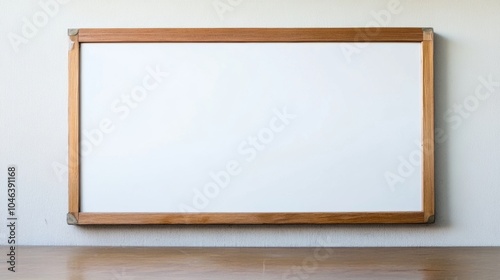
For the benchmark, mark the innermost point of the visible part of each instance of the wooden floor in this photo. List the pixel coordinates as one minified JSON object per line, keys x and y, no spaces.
{"x":252,"y":263}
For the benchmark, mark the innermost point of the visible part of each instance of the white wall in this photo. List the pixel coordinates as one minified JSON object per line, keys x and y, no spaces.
{"x":33,"y":118}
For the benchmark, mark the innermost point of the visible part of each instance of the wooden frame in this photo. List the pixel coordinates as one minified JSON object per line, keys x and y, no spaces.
{"x":421,"y":35}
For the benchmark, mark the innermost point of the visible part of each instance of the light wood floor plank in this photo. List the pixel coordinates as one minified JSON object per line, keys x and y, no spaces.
{"x":127,"y":263}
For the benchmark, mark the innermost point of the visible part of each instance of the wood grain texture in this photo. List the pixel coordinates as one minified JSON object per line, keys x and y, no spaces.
{"x":74,"y":125}
{"x":428,"y":124}
{"x":321,"y":263}
{"x":251,"y":35}
{"x":250,"y":218}
{"x":425,"y":36}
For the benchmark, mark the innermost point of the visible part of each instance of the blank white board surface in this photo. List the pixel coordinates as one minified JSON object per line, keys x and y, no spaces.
{"x":228,"y":127}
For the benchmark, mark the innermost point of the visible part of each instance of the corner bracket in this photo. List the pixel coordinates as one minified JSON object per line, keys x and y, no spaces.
{"x":73,"y":31}
{"x":71,"y":219}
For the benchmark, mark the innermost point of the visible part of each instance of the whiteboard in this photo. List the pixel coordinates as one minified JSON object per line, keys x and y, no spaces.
{"x":225,"y":127}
